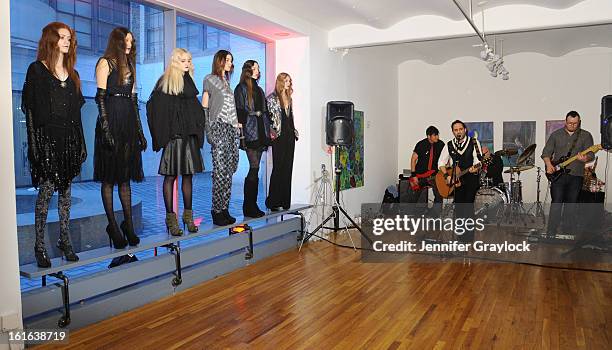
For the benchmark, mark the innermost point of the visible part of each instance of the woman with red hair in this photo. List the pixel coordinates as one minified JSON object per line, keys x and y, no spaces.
{"x":52,"y":102}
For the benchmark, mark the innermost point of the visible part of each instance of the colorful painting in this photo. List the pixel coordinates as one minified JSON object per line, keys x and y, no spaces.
{"x":351,"y":158}
{"x":553,"y":125}
{"x":483,"y":132}
{"x":518,"y":136}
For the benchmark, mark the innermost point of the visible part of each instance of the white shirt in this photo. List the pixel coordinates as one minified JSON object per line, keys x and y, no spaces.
{"x":445,"y":159}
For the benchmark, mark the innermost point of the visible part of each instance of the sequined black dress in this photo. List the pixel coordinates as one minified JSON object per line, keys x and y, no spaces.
{"x":53,"y":119}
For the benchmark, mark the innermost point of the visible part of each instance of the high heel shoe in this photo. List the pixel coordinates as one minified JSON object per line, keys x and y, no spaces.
{"x":172,"y":225}
{"x":42,"y":257}
{"x":188,"y":221}
{"x":118,"y":240}
{"x":131,"y":236}
{"x":219,"y":219}
{"x":66,"y":248}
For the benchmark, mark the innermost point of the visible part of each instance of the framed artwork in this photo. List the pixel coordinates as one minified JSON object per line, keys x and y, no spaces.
{"x":519,"y":136}
{"x":483,"y":132}
{"x":351,"y":158}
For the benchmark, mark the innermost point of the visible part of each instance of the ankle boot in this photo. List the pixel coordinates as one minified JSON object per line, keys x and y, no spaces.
{"x":230,"y":219}
{"x":63,"y":244}
{"x":172,"y":225}
{"x":129,"y":233}
{"x":219,"y":219}
{"x":118,"y":240}
{"x":42,"y":257}
{"x":188,"y":221}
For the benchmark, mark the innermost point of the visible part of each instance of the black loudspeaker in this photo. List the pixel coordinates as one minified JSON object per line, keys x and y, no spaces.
{"x":339,"y":129}
{"x":606,"y":122}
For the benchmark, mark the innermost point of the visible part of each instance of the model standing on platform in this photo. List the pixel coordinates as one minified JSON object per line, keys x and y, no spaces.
{"x":222,"y":134}
{"x":52,"y":102}
{"x":280,"y":105}
{"x":119,"y":136}
{"x":176,"y":122}
{"x":255,"y":120}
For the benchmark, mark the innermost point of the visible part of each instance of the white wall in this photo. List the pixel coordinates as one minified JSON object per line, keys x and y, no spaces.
{"x":320,"y":75}
{"x":540,"y":88}
{"x":10,"y":295}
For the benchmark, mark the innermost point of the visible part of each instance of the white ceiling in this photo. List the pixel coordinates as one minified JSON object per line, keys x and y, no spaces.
{"x":553,"y":43}
{"x":381,"y":14}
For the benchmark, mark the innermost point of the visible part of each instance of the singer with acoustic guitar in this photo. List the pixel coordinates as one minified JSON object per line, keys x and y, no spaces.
{"x":462,"y":154}
{"x":565,"y":187}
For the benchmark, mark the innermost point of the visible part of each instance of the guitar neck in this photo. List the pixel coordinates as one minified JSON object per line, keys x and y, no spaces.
{"x":572,"y":159}
{"x":463,"y":172}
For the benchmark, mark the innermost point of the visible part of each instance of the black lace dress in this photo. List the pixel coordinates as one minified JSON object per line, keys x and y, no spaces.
{"x":123,"y":162}
{"x":53,"y":119}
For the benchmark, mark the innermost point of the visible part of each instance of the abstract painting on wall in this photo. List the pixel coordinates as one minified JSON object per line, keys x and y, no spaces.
{"x":351,"y":158}
{"x":552,"y":125}
{"x":483,"y":131}
{"x":519,"y":136}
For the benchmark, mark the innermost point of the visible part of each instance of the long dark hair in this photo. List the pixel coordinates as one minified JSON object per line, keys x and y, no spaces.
{"x":115,"y":51}
{"x":245,"y":77}
{"x":48,"y":51}
{"x":218,"y":65}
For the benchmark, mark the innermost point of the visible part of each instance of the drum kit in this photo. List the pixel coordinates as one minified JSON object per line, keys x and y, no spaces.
{"x":504,"y":203}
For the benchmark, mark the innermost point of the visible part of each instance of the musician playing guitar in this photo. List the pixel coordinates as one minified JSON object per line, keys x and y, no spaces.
{"x":565,"y":188}
{"x":424,"y":164}
{"x":465,"y":152}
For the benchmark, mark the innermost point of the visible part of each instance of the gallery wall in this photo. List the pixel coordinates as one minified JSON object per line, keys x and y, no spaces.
{"x":540,"y":88}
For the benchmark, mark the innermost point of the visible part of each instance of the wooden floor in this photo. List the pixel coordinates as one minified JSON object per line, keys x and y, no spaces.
{"x":325,"y":298}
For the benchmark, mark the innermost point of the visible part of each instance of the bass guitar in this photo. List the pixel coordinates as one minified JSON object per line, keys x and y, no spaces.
{"x":445,"y":187}
{"x":419,"y":181}
{"x":562,"y":163}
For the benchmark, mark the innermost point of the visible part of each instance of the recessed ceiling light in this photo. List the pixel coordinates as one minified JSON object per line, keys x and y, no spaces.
{"x":282,"y":34}
{"x":593,"y":44}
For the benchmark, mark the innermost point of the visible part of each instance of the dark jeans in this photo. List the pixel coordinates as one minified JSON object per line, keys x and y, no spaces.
{"x":464,"y":202}
{"x":564,"y":193}
{"x":422,"y":196}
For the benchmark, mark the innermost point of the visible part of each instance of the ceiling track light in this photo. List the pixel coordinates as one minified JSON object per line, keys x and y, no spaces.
{"x":495,"y":62}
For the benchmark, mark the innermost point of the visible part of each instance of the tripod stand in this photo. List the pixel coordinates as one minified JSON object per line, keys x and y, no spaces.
{"x":337,"y":209}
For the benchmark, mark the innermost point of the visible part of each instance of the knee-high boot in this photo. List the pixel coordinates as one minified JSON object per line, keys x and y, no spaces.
{"x":251,"y":187}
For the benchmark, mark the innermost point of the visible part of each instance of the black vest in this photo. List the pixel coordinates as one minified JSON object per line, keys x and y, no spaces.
{"x":464,"y":160}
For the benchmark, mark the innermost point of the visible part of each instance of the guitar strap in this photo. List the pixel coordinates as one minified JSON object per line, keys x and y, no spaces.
{"x":569,"y":153}
{"x":478,"y":152}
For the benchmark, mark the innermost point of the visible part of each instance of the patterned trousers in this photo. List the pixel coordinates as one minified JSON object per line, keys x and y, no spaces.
{"x":224,"y":149}
{"x":45,"y":192}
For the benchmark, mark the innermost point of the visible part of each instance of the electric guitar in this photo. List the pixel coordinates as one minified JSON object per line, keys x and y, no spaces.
{"x":426,"y":177}
{"x":562,"y":163}
{"x":446,"y":188}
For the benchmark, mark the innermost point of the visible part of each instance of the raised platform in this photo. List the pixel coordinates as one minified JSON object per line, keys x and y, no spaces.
{"x":105,"y":293}
{"x":87,"y":221}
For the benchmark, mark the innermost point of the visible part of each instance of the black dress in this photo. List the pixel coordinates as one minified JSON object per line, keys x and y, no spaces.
{"x":123,"y":162}
{"x":176,"y":123}
{"x":53,"y":116}
{"x":279,"y":193}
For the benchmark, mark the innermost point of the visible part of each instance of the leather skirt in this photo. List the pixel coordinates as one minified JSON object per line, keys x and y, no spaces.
{"x":181,"y":157}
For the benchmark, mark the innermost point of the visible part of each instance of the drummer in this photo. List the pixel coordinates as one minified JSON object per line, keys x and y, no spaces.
{"x":494,"y":170}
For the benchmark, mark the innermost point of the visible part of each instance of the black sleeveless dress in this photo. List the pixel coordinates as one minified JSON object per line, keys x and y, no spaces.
{"x":123,"y":162}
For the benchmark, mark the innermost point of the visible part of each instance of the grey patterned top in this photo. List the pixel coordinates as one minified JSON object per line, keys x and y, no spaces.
{"x":275,"y":112}
{"x":221,"y":103}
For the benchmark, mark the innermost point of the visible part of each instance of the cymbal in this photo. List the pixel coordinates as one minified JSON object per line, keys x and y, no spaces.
{"x":518,"y":169}
{"x":506,"y":152}
{"x":529,"y":151}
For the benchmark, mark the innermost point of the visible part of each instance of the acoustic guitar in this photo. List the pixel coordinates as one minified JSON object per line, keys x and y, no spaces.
{"x":446,"y":188}
{"x":562,"y":163}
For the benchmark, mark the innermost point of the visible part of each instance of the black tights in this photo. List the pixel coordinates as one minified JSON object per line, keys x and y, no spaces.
{"x":186,"y":187}
{"x":125,"y":196}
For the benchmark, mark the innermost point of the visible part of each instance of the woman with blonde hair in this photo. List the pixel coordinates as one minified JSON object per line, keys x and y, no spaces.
{"x":280,"y":105}
{"x":176,"y":121}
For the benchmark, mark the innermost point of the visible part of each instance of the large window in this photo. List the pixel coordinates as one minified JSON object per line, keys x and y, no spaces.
{"x":93,"y":20}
